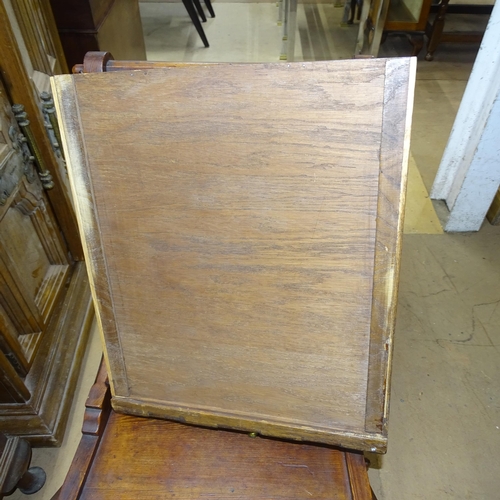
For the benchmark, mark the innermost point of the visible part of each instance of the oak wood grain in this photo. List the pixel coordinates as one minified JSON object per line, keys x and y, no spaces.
{"x":151,"y":459}
{"x":128,"y":457}
{"x":230,"y":219}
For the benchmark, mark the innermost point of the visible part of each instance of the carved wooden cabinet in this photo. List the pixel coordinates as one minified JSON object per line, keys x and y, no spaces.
{"x":45,"y":304}
{"x":34,"y":261}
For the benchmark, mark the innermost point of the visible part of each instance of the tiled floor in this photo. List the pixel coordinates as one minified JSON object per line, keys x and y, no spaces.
{"x":445,"y":414}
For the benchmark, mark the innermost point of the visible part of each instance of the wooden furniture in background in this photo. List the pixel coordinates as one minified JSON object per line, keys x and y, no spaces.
{"x":435,"y":28}
{"x":112,"y":25}
{"x":129,"y":457}
{"x":381,"y":18}
{"x":256,"y":289}
{"x":45,"y":303}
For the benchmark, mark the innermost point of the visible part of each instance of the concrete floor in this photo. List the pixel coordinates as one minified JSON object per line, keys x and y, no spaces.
{"x":444,"y":431}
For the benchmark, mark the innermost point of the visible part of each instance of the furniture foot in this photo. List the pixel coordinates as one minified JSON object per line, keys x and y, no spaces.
{"x":199,"y":9}
{"x":208,"y":3}
{"x":32,"y":480}
{"x":435,"y":30}
{"x":416,"y":39}
{"x":15,"y":457}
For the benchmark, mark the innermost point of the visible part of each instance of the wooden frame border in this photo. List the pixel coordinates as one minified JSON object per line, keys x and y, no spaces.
{"x":66,"y":102}
{"x":278,"y":429}
{"x":394,"y":153}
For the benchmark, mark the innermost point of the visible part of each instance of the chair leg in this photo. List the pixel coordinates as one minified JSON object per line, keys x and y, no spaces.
{"x":352,"y":12}
{"x":208,"y":3}
{"x":199,"y":8}
{"x":188,"y":4}
{"x":435,"y":30}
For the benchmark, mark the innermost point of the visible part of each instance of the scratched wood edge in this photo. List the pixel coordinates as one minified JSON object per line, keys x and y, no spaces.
{"x":394,"y":154}
{"x":66,"y":103}
{"x":358,"y":476}
{"x":213,"y":419}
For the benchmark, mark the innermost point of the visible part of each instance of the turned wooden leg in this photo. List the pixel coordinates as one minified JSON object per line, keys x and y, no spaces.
{"x":434,"y":31}
{"x":417,"y":41}
{"x":360,"y":8}
{"x":32,"y":480}
{"x":352,"y":12}
{"x":15,"y":457}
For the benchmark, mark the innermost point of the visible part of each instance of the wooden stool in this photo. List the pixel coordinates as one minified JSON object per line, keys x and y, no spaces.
{"x":125,"y":457}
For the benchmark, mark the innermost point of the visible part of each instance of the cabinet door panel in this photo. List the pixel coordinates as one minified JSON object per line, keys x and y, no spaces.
{"x":11,"y":346}
{"x":45,"y":302}
{"x":34,"y":262}
{"x":12,"y":388}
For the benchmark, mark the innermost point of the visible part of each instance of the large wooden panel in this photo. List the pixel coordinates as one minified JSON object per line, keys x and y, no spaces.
{"x":231,"y":219}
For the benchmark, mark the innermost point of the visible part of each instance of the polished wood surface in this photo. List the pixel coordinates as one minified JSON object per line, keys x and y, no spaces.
{"x":243,"y":239}
{"x":190,"y":463}
{"x":128,"y":457}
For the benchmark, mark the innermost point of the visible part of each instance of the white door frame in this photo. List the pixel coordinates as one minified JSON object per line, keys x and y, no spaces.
{"x":469,"y":173}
